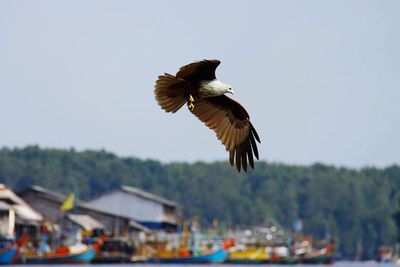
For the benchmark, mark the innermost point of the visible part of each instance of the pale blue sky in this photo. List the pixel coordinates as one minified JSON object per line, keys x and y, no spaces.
{"x":320,"y":79}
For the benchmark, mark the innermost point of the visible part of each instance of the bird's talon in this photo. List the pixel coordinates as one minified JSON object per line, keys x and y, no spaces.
{"x":191,"y":106}
{"x":190,"y":103}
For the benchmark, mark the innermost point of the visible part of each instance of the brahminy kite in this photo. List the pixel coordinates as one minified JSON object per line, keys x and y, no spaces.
{"x":196,"y":85}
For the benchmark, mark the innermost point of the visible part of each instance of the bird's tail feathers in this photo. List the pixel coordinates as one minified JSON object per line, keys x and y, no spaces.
{"x":170,"y":92}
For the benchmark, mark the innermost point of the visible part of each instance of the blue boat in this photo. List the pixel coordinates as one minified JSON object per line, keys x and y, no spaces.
{"x":8,"y":253}
{"x":85,"y":256}
{"x":214,"y":256}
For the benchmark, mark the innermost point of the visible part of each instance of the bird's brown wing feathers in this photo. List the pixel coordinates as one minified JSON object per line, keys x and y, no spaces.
{"x":231,"y":123}
{"x":199,"y":71}
{"x":171,"y":92}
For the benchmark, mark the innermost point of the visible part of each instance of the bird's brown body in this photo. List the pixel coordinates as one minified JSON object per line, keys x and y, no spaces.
{"x":196,"y":85}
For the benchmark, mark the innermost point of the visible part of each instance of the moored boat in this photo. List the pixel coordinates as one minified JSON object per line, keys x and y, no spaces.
{"x":84,"y":256}
{"x":78,"y":253}
{"x":247,"y":255}
{"x":323,"y":255}
{"x":213,"y":256}
{"x":9,"y":249}
{"x":115,"y":250}
{"x":8,"y":253}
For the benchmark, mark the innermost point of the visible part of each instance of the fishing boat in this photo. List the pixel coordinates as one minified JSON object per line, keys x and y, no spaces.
{"x":323,"y":255}
{"x":78,"y":253}
{"x":84,"y":256}
{"x":8,"y":253}
{"x":9,"y":249}
{"x":115,"y":250}
{"x":247,"y":255}
{"x":280,"y":254}
{"x":218,"y":255}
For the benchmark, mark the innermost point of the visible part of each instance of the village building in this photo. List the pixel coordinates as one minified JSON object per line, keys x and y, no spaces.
{"x":17,"y":217}
{"x":83,"y":215}
{"x":152,"y":211}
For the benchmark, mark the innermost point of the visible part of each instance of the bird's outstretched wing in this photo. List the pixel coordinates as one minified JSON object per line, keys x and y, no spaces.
{"x":171,"y":92}
{"x":231,"y":123}
{"x":199,"y":71}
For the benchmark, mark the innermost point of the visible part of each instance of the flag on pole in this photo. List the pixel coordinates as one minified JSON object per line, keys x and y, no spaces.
{"x":68,"y":203}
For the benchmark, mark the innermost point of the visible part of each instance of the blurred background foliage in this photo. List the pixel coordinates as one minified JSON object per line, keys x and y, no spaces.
{"x":355,"y":205}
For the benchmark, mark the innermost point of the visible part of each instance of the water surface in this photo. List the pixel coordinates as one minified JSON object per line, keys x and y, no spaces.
{"x":336,"y":264}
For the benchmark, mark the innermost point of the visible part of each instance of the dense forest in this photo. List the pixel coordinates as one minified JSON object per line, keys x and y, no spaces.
{"x":356,"y":206}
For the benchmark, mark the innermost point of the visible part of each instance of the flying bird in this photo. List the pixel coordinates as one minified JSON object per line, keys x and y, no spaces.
{"x":196,"y":85}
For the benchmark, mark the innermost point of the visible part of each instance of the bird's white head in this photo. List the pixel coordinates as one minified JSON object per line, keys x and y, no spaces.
{"x":215,"y":88}
{"x":229,"y":90}
{"x":226,"y":88}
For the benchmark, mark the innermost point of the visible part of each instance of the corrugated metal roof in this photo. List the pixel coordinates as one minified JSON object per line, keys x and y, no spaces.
{"x":139,"y":226}
{"x":4,"y":206}
{"x":7,"y":195}
{"x":147,"y":195}
{"x":125,"y":188}
{"x":21,"y":208}
{"x":27,"y":213}
{"x":85,"y":221}
{"x":59,"y":198}
{"x":55,"y":195}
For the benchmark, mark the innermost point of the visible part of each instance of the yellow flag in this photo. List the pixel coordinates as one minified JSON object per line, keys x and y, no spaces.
{"x":68,"y":203}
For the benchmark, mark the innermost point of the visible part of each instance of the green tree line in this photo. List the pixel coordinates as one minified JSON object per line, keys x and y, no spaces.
{"x":354,"y":205}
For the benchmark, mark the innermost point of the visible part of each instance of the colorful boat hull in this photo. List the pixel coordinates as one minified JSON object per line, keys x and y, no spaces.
{"x":7,"y":254}
{"x":321,"y":256}
{"x":248,"y":255}
{"x":246,"y":261}
{"x":83,"y":257}
{"x":215,"y":256}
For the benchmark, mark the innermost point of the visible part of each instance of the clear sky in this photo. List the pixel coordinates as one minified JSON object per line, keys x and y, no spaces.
{"x":320,"y":79}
